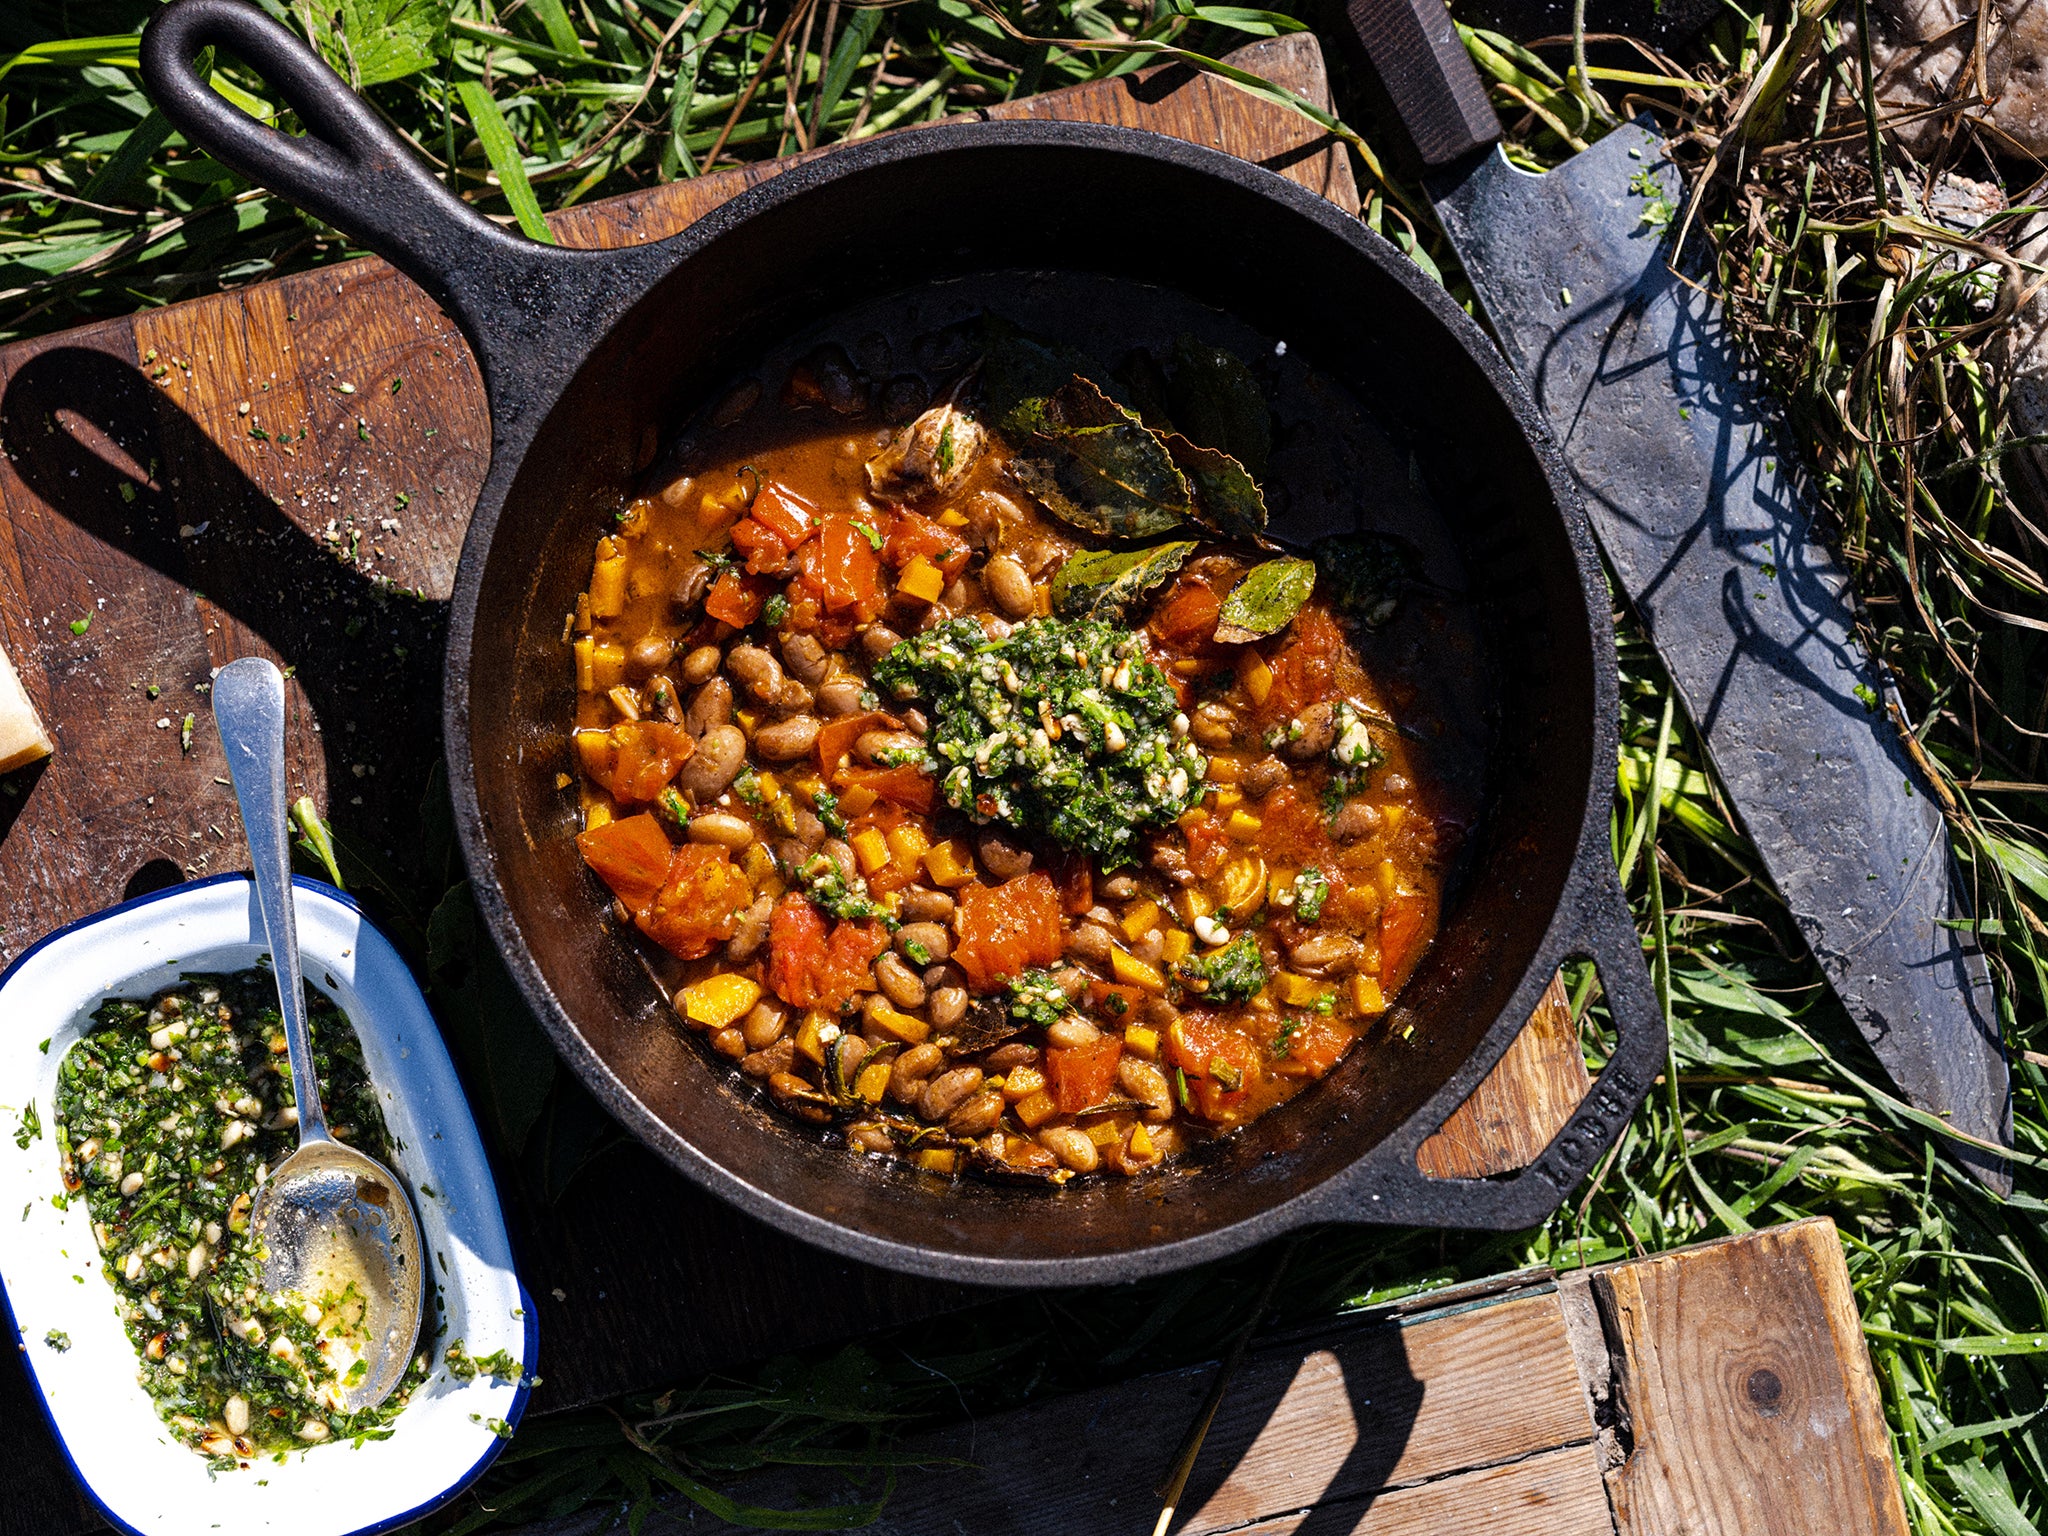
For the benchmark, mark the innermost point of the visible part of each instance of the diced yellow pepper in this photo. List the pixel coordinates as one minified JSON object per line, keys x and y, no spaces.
{"x":757,"y":862}
{"x":921,"y":580}
{"x":1133,"y":972}
{"x":586,"y":678}
{"x":1141,"y":1141}
{"x":908,"y":844}
{"x":1366,"y":995}
{"x":1388,"y":876}
{"x":898,"y":1026}
{"x":1103,"y":1133}
{"x":857,"y":800}
{"x":1036,"y":1110}
{"x":1194,"y":903}
{"x":1141,"y":920}
{"x":1192,"y":819}
{"x":582,"y":618}
{"x":1229,"y":797}
{"x":1297,"y":991}
{"x":1179,"y":945}
{"x":597,"y":814}
{"x":952,"y":517}
{"x":1143,"y":1041}
{"x":608,"y":586}
{"x":949,"y":864}
{"x":746,"y":718}
{"x":1043,"y":595}
{"x":938,"y":1160}
{"x":593,"y":750}
{"x":1225,"y":769}
{"x":1022,"y":1083}
{"x":872,"y":1082}
{"x":871,"y":848}
{"x":769,"y":786}
{"x":1391,"y":817}
{"x":717,"y":1001}
{"x":1253,"y":675}
{"x":1243,"y":826}
{"x":607,"y":667}
{"x":810,"y":1036}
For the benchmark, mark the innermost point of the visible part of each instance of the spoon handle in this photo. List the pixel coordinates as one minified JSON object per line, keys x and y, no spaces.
{"x":248,"y":708}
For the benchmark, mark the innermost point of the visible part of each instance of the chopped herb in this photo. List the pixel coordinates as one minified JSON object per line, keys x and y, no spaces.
{"x":1866,"y":696}
{"x":29,"y":1127}
{"x":916,"y":953}
{"x":1325,"y":1005}
{"x":1311,"y":888}
{"x":1225,"y":1074}
{"x":672,"y":805}
{"x":1062,"y":729}
{"x":867,"y":532}
{"x":1233,"y":974}
{"x":775,"y":610}
{"x":152,"y":691}
{"x":1284,"y":1041}
{"x":80,"y":626}
{"x":748,"y":787}
{"x":1036,"y":998}
{"x":827,"y":885}
{"x":58,"y":1340}
{"x":1658,"y":210}
{"x":464,"y":1366}
{"x":826,"y":805}
{"x":1353,"y":756}
{"x":185,"y":734}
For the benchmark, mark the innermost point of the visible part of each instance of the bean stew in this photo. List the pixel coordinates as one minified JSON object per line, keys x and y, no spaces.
{"x":992,"y":788}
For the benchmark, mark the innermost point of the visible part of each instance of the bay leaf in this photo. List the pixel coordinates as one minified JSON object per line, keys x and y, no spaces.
{"x":1266,"y":601}
{"x":1218,"y":403}
{"x":1019,"y":372}
{"x":1103,"y":584}
{"x":1095,"y":465}
{"x":1228,"y":501}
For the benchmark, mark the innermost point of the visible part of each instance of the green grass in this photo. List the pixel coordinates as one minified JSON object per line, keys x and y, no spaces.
{"x":1870,"y":322}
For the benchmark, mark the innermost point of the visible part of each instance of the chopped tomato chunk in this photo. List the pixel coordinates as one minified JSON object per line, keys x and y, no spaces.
{"x":736,"y":599}
{"x":809,"y":968}
{"x":914,"y":534}
{"x":643,"y":756}
{"x":1309,"y":1047}
{"x":1081,"y":1076}
{"x":906,"y":785}
{"x":698,"y":907}
{"x":1005,"y":929}
{"x":1219,"y":1065}
{"x":1305,"y":667}
{"x":766,"y":553}
{"x":786,"y":514}
{"x":841,"y":569}
{"x":1114,"y":1000}
{"x":1188,"y":617}
{"x":631,"y":856}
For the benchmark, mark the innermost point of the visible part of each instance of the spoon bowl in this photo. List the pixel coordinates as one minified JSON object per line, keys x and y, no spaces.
{"x":340,"y":1241}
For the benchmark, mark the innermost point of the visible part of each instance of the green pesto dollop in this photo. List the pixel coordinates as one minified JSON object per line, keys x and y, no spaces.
{"x":167,"y":1112}
{"x":1061,"y":729}
{"x":1232,"y":974}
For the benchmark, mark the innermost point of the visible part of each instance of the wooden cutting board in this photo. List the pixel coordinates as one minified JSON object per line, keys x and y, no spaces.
{"x":287,"y":470}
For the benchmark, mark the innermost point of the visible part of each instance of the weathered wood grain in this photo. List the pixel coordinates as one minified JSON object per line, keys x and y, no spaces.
{"x":1518,"y":1106}
{"x":1748,"y":1392}
{"x":1488,"y":1412}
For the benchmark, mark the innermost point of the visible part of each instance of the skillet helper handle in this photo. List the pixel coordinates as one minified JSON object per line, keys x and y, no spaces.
{"x":529,"y":310}
{"x":1425,"y":71}
{"x":1593,"y":923}
{"x":349,"y":169}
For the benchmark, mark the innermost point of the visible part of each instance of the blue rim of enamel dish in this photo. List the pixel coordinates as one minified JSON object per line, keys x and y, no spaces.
{"x":530,"y":1323}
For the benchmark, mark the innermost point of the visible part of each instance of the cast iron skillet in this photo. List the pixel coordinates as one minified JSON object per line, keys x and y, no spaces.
{"x":589,"y":357}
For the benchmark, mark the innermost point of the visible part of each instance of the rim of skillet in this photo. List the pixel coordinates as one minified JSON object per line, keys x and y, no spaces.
{"x":507,"y":456}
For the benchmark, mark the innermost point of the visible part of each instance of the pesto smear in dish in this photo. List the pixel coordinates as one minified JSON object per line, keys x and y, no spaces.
{"x":169,"y":1113}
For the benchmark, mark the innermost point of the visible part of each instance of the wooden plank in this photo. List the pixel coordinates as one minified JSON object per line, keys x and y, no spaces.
{"x":1532,"y":1091}
{"x":1556,"y":1493}
{"x":1748,"y":1392}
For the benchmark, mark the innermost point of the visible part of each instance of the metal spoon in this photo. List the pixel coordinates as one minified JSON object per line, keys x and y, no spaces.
{"x":328,"y":1216}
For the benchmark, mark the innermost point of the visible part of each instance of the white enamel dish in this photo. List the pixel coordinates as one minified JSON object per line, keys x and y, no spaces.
{"x":140,"y":1478}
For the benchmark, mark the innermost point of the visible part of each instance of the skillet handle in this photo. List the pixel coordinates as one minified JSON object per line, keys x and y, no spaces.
{"x":526,"y":308}
{"x":1593,"y":923}
{"x":1425,"y":71}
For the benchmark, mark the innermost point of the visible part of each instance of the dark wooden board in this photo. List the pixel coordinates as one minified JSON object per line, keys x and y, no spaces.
{"x":288,"y":470}
{"x":1634,"y":1399}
